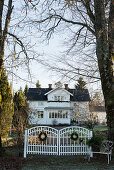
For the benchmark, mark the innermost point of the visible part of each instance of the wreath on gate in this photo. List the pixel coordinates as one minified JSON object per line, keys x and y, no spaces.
{"x":74,"y":136}
{"x":42,"y":136}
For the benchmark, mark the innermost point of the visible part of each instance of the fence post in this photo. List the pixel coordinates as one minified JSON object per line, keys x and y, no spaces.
{"x":59,"y":141}
{"x":91,"y":153}
{"x":25,"y":144}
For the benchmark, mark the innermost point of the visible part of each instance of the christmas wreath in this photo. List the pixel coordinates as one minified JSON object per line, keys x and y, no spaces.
{"x":42,"y":136}
{"x":74,"y":136}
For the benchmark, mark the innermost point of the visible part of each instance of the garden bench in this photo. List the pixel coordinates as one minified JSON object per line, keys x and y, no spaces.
{"x":106,"y":148}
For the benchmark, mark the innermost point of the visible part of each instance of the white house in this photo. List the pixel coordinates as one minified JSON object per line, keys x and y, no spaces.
{"x":50,"y":106}
{"x":98,"y":112}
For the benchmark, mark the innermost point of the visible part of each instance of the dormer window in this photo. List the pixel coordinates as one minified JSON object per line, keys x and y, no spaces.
{"x":59,"y":98}
{"x":55,"y":98}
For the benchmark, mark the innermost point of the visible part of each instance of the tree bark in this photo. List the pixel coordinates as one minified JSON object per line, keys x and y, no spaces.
{"x":104,"y":51}
{"x":3,"y":32}
{"x":3,"y":36}
{"x":0,"y":146}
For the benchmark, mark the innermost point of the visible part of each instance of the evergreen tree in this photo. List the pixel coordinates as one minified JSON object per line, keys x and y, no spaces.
{"x":81,"y":84}
{"x":26,"y":90}
{"x":38,"y":85}
{"x":6,"y":106}
{"x":20,"y":118}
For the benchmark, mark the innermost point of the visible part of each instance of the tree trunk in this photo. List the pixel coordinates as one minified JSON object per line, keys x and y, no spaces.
{"x":0,"y":146}
{"x":1,"y":60}
{"x":104,"y":53}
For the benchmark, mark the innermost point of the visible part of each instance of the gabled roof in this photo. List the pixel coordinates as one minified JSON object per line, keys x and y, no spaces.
{"x":79,"y":95}
{"x":58,"y":88}
{"x":38,"y":94}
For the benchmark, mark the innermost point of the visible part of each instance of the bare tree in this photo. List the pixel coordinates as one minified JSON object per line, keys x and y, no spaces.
{"x":15,"y":40}
{"x":90,"y":23}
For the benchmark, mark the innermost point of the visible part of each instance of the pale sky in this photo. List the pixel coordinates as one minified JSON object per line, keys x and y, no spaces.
{"x":39,"y":72}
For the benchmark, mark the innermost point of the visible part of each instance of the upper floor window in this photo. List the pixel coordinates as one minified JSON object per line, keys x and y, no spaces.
{"x":59,"y":98}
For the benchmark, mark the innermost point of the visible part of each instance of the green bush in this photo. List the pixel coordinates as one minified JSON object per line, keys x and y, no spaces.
{"x":95,"y":141}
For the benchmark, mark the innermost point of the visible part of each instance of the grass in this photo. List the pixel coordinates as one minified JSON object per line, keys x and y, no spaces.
{"x":100,"y":128}
{"x":48,"y":162}
{"x":9,"y":140}
{"x":66,"y":163}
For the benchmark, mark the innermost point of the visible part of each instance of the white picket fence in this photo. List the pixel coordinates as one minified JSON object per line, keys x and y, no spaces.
{"x":58,"y":142}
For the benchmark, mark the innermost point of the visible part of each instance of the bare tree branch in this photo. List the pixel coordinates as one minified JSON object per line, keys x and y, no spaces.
{"x":7,"y":20}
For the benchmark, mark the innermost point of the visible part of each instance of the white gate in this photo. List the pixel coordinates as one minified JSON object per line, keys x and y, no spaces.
{"x":34,"y":143}
{"x":50,"y":141}
{"x":73,"y":141}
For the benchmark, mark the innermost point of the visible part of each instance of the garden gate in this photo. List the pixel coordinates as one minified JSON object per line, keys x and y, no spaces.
{"x":50,"y":141}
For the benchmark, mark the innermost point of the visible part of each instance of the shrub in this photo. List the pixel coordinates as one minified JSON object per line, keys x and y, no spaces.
{"x":95,"y":142}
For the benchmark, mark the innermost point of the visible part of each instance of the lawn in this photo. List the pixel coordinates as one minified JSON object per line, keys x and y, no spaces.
{"x":100,"y":128}
{"x":66,"y":163}
{"x":40,"y":162}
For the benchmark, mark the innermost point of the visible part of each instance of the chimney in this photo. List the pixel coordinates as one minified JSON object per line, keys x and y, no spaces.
{"x":66,"y":86}
{"x":50,"y":86}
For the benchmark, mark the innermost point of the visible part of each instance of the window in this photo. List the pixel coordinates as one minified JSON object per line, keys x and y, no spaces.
{"x":59,"y":98}
{"x":56,"y":115}
{"x":40,"y":114}
{"x":66,"y":114}
{"x":62,"y":98}
{"x":55,"y":98}
{"x":52,"y":114}
{"x":49,"y":114}
{"x":60,"y":114}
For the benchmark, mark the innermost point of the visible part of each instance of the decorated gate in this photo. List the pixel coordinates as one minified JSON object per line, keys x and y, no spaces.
{"x":41,"y":140}
{"x":73,"y":141}
{"x":50,"y":141}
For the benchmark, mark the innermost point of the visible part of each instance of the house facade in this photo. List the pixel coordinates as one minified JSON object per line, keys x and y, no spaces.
{"x":53,"y":106}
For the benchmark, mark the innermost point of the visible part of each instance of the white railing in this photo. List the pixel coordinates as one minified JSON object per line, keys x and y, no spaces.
{"x":58,"y":104}
{"x":58,"y":142}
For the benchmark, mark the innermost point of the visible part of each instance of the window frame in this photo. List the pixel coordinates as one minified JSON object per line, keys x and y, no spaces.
{"x":59,"y":114}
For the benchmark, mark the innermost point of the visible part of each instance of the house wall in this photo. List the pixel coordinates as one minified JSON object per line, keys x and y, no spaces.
{"x":78,"y":110}
{"x":36,"y":106}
